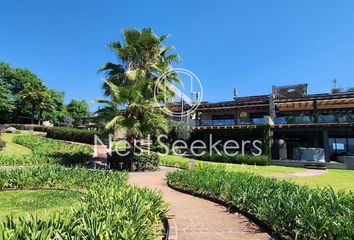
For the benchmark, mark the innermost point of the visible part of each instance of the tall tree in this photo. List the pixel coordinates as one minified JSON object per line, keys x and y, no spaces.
{"x":33,"y":94}
{"x":130,"y":84}
{"x":58,"y":109}
{"x":6,"y":102}
{"x":78,"y":110}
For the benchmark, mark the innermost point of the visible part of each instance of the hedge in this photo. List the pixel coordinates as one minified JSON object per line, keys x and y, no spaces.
{"x":261,"y":160}
{"x":34,"y":127}
{"x":72,"y":134}
{"x":299,"y":212}
{"x":110,"y":208}
{"x":147,"y":161}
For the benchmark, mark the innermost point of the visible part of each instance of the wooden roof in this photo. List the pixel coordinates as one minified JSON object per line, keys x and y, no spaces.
{"x":321,"y":104}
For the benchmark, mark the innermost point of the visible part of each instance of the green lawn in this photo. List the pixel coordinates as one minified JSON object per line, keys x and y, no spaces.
{"x":13,"y":148}
{"x":36,"y":202}
{"x":336,"y":178}
{"x":178,"y":161}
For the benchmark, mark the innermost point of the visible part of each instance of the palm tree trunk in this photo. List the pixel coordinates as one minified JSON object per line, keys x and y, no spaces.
{"x":130,"y":140}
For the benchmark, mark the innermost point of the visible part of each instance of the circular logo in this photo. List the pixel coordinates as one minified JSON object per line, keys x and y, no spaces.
{"x":178,"y":92}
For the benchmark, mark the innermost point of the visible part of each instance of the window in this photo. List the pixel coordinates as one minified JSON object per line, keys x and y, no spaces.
{"x":351,"y":145}
{"x":340,"y":145}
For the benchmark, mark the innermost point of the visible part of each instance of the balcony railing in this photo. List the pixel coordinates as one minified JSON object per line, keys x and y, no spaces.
{"x":229,"y":122}
{"x":344,"y":118}
{"x":306,"y":119}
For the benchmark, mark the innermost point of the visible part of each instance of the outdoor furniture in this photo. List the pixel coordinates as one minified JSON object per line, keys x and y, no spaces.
{"x":298,"y":153}
{"x":309,"y":154}
{"x":349,"y":162}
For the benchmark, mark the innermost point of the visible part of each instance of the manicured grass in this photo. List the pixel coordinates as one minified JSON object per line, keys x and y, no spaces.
{"x":12,"y":148}
{"x":46,"y":151}
{"x":36,"y":202}
{"x":182,"y":162}
{"x":336,"y":178}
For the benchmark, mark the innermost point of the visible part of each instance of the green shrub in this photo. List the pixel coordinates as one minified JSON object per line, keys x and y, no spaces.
{"x":145,"y":162}
{"x":72,"y":134}
{"x":297,"y":211}
{"x":47,"y":151}
{"x":41,"y":128}
{"x":174,"y":161}
{"x":179,"y":130}
{"x":2,"y":144}
{"x":18,"y":126}
{"x":261,"y":160}
{"x":110,"y":208}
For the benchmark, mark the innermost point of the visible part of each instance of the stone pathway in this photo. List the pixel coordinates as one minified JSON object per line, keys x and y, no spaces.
{"x":307,"y":173}
{"x":198,"y":219}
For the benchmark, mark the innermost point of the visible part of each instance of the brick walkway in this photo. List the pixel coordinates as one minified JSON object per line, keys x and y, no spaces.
{"x":198,"y":219}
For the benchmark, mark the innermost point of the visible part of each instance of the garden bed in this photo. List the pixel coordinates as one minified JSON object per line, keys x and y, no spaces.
{"x":46,"y":151}
{"x":282,"y":208}
{"x":110,"y":208}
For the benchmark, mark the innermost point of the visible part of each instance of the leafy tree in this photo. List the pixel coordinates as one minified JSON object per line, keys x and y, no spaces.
{"x":77,"y":110}
{"x":130,"y":85}
{"x":35,"y":94}
{"x":58,"y":110}
{"x":178,"y":131}
{"x":6,"y":102}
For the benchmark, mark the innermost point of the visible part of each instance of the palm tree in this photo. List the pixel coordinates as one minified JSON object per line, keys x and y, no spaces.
{"x":130,"y":84}
{"x":33,"y":94}
{"x":46,"y":104}
{"x":142,"y":54}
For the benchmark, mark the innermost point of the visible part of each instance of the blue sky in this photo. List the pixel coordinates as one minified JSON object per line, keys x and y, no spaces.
{"x":248,"y":44}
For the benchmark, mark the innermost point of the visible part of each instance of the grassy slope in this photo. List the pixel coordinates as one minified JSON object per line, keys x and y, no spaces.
{"x":11,"y":147}
{"x":337,"y":179}
{"x":179,"y":161}
{"x":36,"y":202}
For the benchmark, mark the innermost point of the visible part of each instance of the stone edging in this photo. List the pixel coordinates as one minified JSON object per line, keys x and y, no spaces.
{"x":232,"y":208}
{"x":171,"y":229}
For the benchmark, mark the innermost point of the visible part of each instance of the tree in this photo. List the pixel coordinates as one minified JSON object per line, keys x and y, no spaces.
{"x":178,"y":131}
{"x":78,"y":110}
{"x":6,"y":102}
{"x":58,"y":111}
{"x":34,"y":94}
{"x":130,"y":85}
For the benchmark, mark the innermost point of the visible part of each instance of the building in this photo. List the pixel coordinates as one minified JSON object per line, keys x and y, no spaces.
{"x":300,"y":119}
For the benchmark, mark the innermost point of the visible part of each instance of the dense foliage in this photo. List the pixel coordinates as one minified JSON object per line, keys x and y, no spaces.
{"x":178,"y":130}
{"x":47,"y":151}
{"x":110,"y":208}
{"x":72,"y":134}
{"x":261,"y":160}
{"x":77,"y":110}
{"x":298,"y":211}
{"x":144,"y":162}
{"x":25,"y":98}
